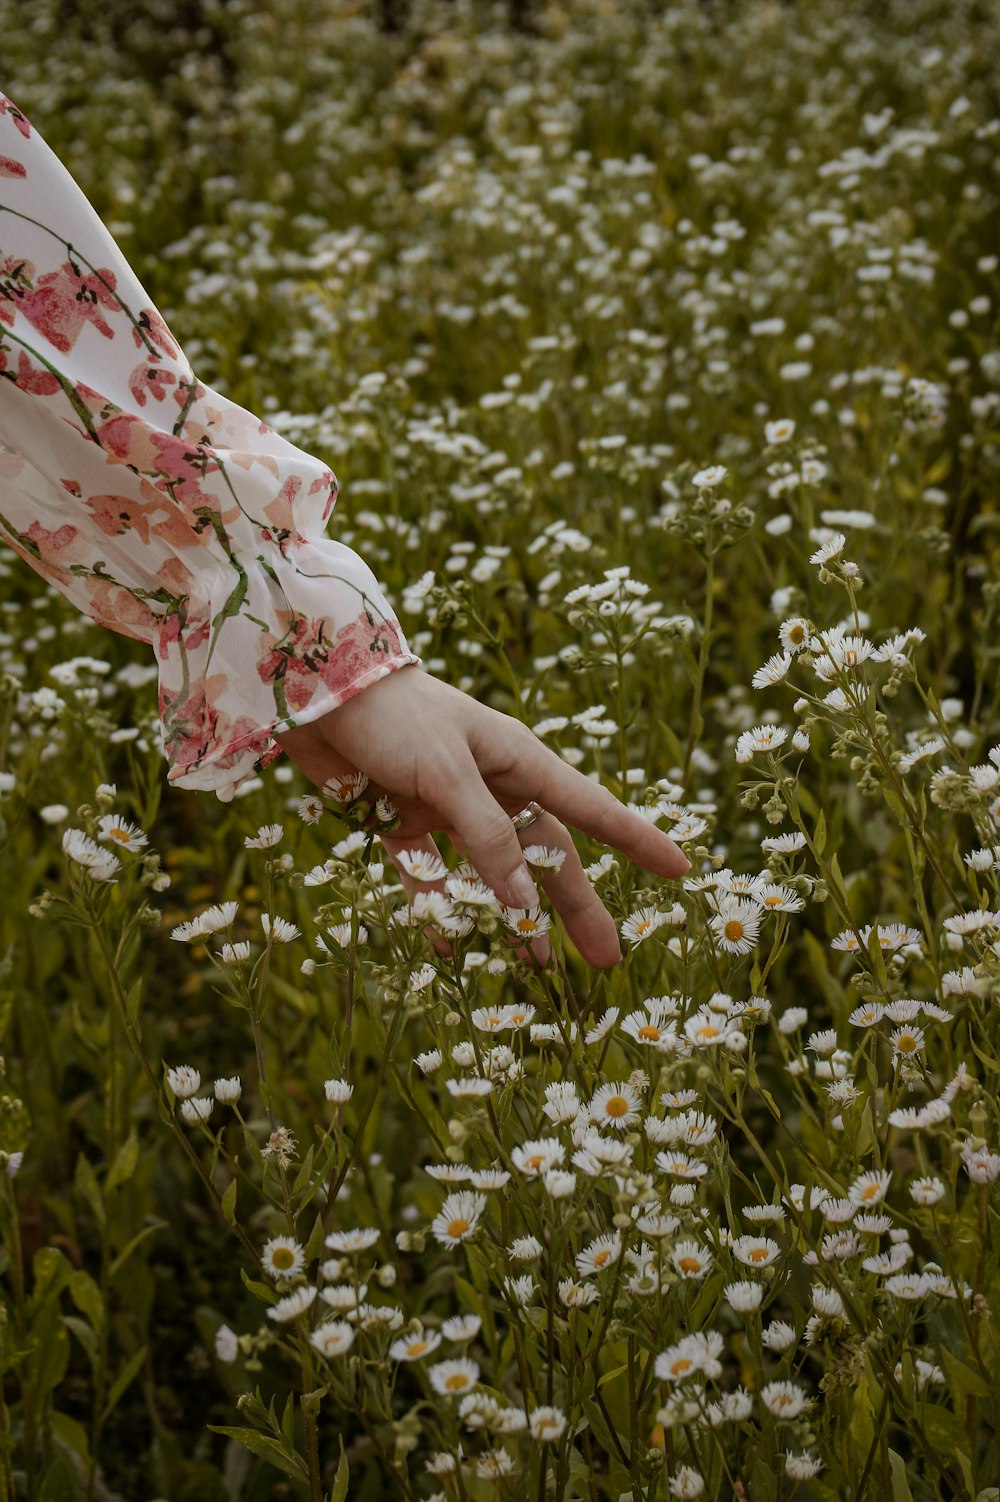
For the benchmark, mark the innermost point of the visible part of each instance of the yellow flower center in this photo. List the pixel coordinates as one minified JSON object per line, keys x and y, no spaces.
{"x":456,"y":1381}
{"x":796,"y":634}
{"x":871,"y":1191}
{"x":649,"y":1032}
{"x":689,"y":1264}
{"x":734,"y":930}
{"x":773,"y":901}
{"x":759,"y":1254}
{"x":282,"y":1256}
{"x":416,"y":1347}
{"x":708,"y":1031}
{"x":681,"y":1365}
{"x":458,"y":1227}
{"x":119,"y":835}
{"x":527,"y":925}
{"x":642,"y":926}
{"x":536,"y":1161}
{"x":617,"y":1106}
{"x":600,"y":1258}
{"x":907,"y":1044}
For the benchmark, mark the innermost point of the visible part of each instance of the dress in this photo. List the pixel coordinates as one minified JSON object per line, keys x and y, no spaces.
{"x":159,"y":507}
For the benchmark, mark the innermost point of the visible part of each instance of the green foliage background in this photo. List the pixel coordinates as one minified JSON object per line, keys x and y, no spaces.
{"x":478,"y":209}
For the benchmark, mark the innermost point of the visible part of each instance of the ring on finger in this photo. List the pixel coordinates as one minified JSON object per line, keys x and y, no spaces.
{"x":526,"y":817}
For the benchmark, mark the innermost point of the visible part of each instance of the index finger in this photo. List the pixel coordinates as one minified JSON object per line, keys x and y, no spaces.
{"x":591,"y":807}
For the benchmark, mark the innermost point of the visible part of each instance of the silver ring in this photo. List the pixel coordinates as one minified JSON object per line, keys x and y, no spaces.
{"x":526,"y":816}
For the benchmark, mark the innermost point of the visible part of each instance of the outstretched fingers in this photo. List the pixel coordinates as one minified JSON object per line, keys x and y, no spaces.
{"x":587,"y":805}
{"x":585,"y":918}
{"x":485,"y":831}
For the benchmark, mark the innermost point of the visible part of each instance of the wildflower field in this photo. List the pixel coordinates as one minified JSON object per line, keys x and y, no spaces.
{"x":656,"y":350}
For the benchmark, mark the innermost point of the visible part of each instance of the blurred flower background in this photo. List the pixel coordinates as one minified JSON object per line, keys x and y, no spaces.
{"x":656,"y":350}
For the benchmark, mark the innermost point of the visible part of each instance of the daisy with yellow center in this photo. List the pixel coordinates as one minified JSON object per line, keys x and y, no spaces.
{"x":690,"y":1259}
{"x":120,"y":832}
{"x":907,"y":1040}
{"x":616,"y":1105}
{"x":755,"y":1251}
{"x":283,"y":1257}
{"x":458,"y":1217}
{"x":452,"y":1378}
{"x":332,"y":1338}
{"x":412,"y":1347}
{"x":533,"y":1158}
{"x":870,"y":1188}
{"x":346,"y":787}
{"x":640,"y":925}
{"x":527,"y":922}
{"x":736,"y":925}
{"x":601,"y":1253}
{"x":646,"y":1029}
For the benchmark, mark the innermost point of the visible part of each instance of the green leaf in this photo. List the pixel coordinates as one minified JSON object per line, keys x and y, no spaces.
{"x":617,"y":1371}
{"x":819,"y":836}
{"x":87,"y":1297}
{"x":267,"y":1449}
{"x":943,"y":1428}
{"x":302,"y":1177}
{"x":962,"y":1379}
{"x":862,"y":1425}
{"x":130,"y":1370}
{"x":260,"y":1289}
{"x":123,"y":1167}
{"x":228,"y":1203}
{"x":342,"y":1477}
{"x":132,"y":1001}
{"x":85,"y":1180}
{"x":131,"y":1245}
{"x":897,"y":1472}
{"x":86,"y":1335}
{"x":288,"y":1421}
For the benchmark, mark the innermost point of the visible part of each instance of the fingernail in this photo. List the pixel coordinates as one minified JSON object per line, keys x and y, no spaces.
{"x":521,"y":888}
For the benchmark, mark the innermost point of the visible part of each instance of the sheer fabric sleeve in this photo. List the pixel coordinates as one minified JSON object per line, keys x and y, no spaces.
{"x":159,"y":507}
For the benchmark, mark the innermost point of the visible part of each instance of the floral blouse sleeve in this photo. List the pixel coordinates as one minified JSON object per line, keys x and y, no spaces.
{"x":160,"y":508}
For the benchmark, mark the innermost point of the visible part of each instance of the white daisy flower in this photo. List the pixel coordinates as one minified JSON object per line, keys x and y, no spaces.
{"x":690,"y":1259}
{"x":461,"y":1327}
{"x":526,"y":922}
{"x":546,"y":1424}
{"x":184,"y":1081}
{"x":266,"y":837}
{"x":458,"y":1217}
{"x":332,"y":1338}
{"x":641,"y":924}
{"x":452,"y":1378}
{"x":358,"y":1240}
{"x":413,"y":1347}
{"x":279,"y":929}
{"x":118,"y":831}
{"x":615,"y":1105}
{"x":736,"y":925}
{"x":543,"y":858}
{"x":283,"y":1257}
{"x":785,"y":1400}
{"x":293,"y":1304}
{"x":422,"y":865}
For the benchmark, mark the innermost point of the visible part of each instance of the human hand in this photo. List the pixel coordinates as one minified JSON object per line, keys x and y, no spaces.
{"x":451,"y":764}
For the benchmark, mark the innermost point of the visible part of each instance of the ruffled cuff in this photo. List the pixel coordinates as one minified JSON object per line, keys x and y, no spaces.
{"x":275,"y":643}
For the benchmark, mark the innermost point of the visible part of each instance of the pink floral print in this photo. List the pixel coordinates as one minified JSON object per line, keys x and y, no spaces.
{"x":159,"y":507}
